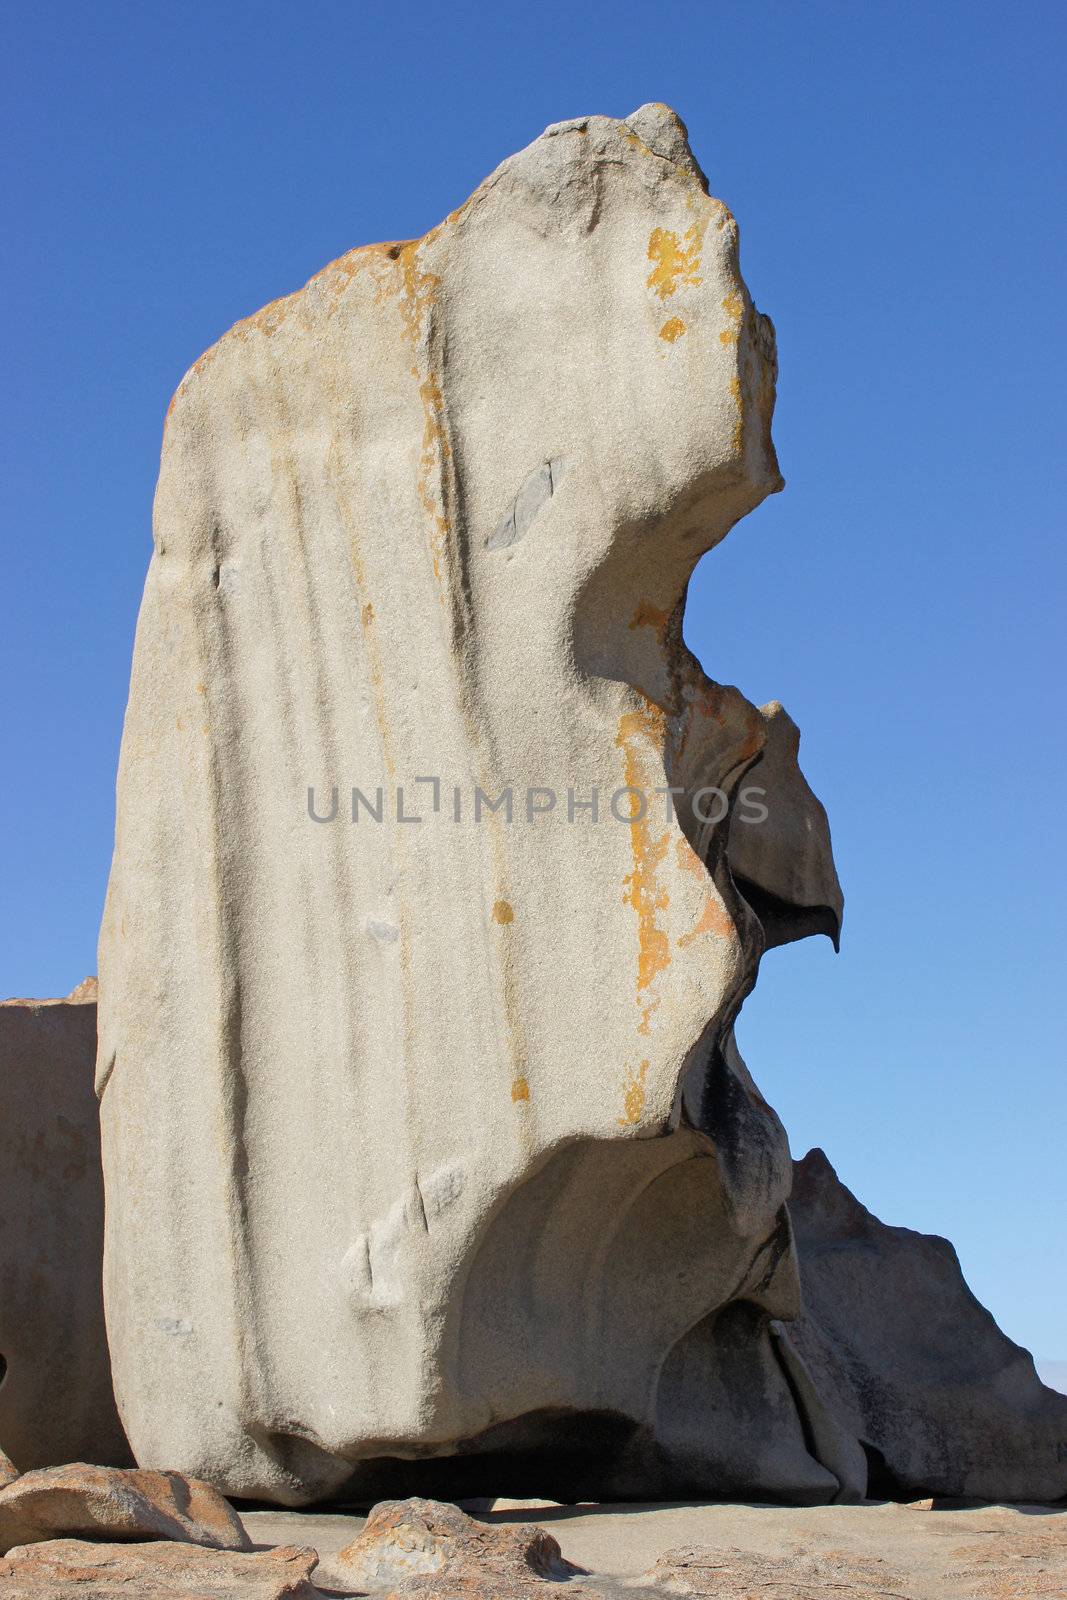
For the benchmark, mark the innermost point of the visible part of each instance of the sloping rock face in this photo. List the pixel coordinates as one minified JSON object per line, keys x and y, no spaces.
{"x":56,"y":1401}
{"x":910,"y":1363}
{"x":70,"y":1569}
{"x":430,"y":1138}
{"x":89,"y":1502}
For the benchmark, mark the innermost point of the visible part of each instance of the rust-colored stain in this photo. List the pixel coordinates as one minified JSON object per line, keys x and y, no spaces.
{"x":739,"y":426}
{"x":675,"y":258}
{"x":672,"y":329}
{"x":633,"y":1099}
{"x":418,"y":294}
{"x":688,"y":860}
{"x":646,"y":615}
{"x":642,"y":888}
{"x":366,"y":616}
{"x":520,"y":1089}
{"x":503,"y":912}
{"x":714,"y":919}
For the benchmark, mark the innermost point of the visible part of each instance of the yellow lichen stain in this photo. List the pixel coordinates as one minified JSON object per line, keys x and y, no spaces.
{"x":641,"y":887}
{"x":647,"y":615}
{"x":520,"y":1089}
{"x":688,"y":860}
{"x":739,"y":426}
{"x":734,"y":306}
{"x":633,"y":1099}
{"x":503,"y":912}
{"x":714,"y":919}
{"x":676,"y":259}
{"x":672,"y":329}
{"x":417,"y":297}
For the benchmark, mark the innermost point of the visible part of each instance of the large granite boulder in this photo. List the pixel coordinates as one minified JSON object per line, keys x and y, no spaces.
{"x":430,"y":1139}
{"x":911,"y":1364}
{"x":56,"y":1400}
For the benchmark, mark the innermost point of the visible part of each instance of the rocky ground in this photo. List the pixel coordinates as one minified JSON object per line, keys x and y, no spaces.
{"x":98,"y":1533}
{"x":924,"y":1551}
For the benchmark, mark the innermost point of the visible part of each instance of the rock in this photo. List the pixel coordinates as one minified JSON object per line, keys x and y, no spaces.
{"x":507,"y":1503}
{"x":80,"y":1501}
{"x":8,"y":1470}
{"x":426,"y":526}
{"x":69,"y":1569}
{"x":729,"y":1574}
{"x":911,"y":1364}
{"x":406,"y":1541}
{"x":56,"y":1399}
{"x":782,"y":861}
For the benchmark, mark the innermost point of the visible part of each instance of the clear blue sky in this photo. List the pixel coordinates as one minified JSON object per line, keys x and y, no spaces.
{"x":897,"y":173}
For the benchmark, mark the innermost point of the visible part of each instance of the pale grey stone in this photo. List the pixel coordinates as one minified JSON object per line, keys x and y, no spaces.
{"x":453,"y":1195}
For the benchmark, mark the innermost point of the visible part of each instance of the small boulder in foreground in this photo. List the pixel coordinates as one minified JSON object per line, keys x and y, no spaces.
{"x":419,"y":1545}
{"x":71,"y":1569}
{"x":85,"y":1502}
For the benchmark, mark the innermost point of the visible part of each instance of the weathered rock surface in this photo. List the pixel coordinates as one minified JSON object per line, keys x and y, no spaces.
{"x":432,"y":1162}
{"x":731,"y":1574}
{"x":8,"y":1470}
{"x":85,"y":1502}
{"x":411,"y":1539}
{"x":639,"y":1552}
{"x":432,"y":1140}
{"x":56,"y":1400}
{"x":69,"y":1569}
{"x":911,"y":1363}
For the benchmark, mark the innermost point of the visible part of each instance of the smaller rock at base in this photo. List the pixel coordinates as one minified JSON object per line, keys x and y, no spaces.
{"x":71,"y":1569}
{"x":8,"y":1470}
{"x":86,"y":1502}
{"x":411,"y":1543}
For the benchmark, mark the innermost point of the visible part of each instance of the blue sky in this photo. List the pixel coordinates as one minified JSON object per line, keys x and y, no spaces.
{"x":897,"y":174}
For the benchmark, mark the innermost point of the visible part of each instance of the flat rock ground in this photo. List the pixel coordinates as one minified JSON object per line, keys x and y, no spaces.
{"x":922,"y":1551}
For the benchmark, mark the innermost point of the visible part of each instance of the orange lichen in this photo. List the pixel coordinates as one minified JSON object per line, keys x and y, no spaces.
{"x":739,"y":426}
{"x":714,"y":919}
{"x":642,"y":888}
{"x":503,"y":912}
{"x":676,"y":259}
{"x":520,"y":1089}
{"x":672,"y":329}
{"x":633,"y":1098}
{"x":418,"y":294}
{"x":688,"y":860}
